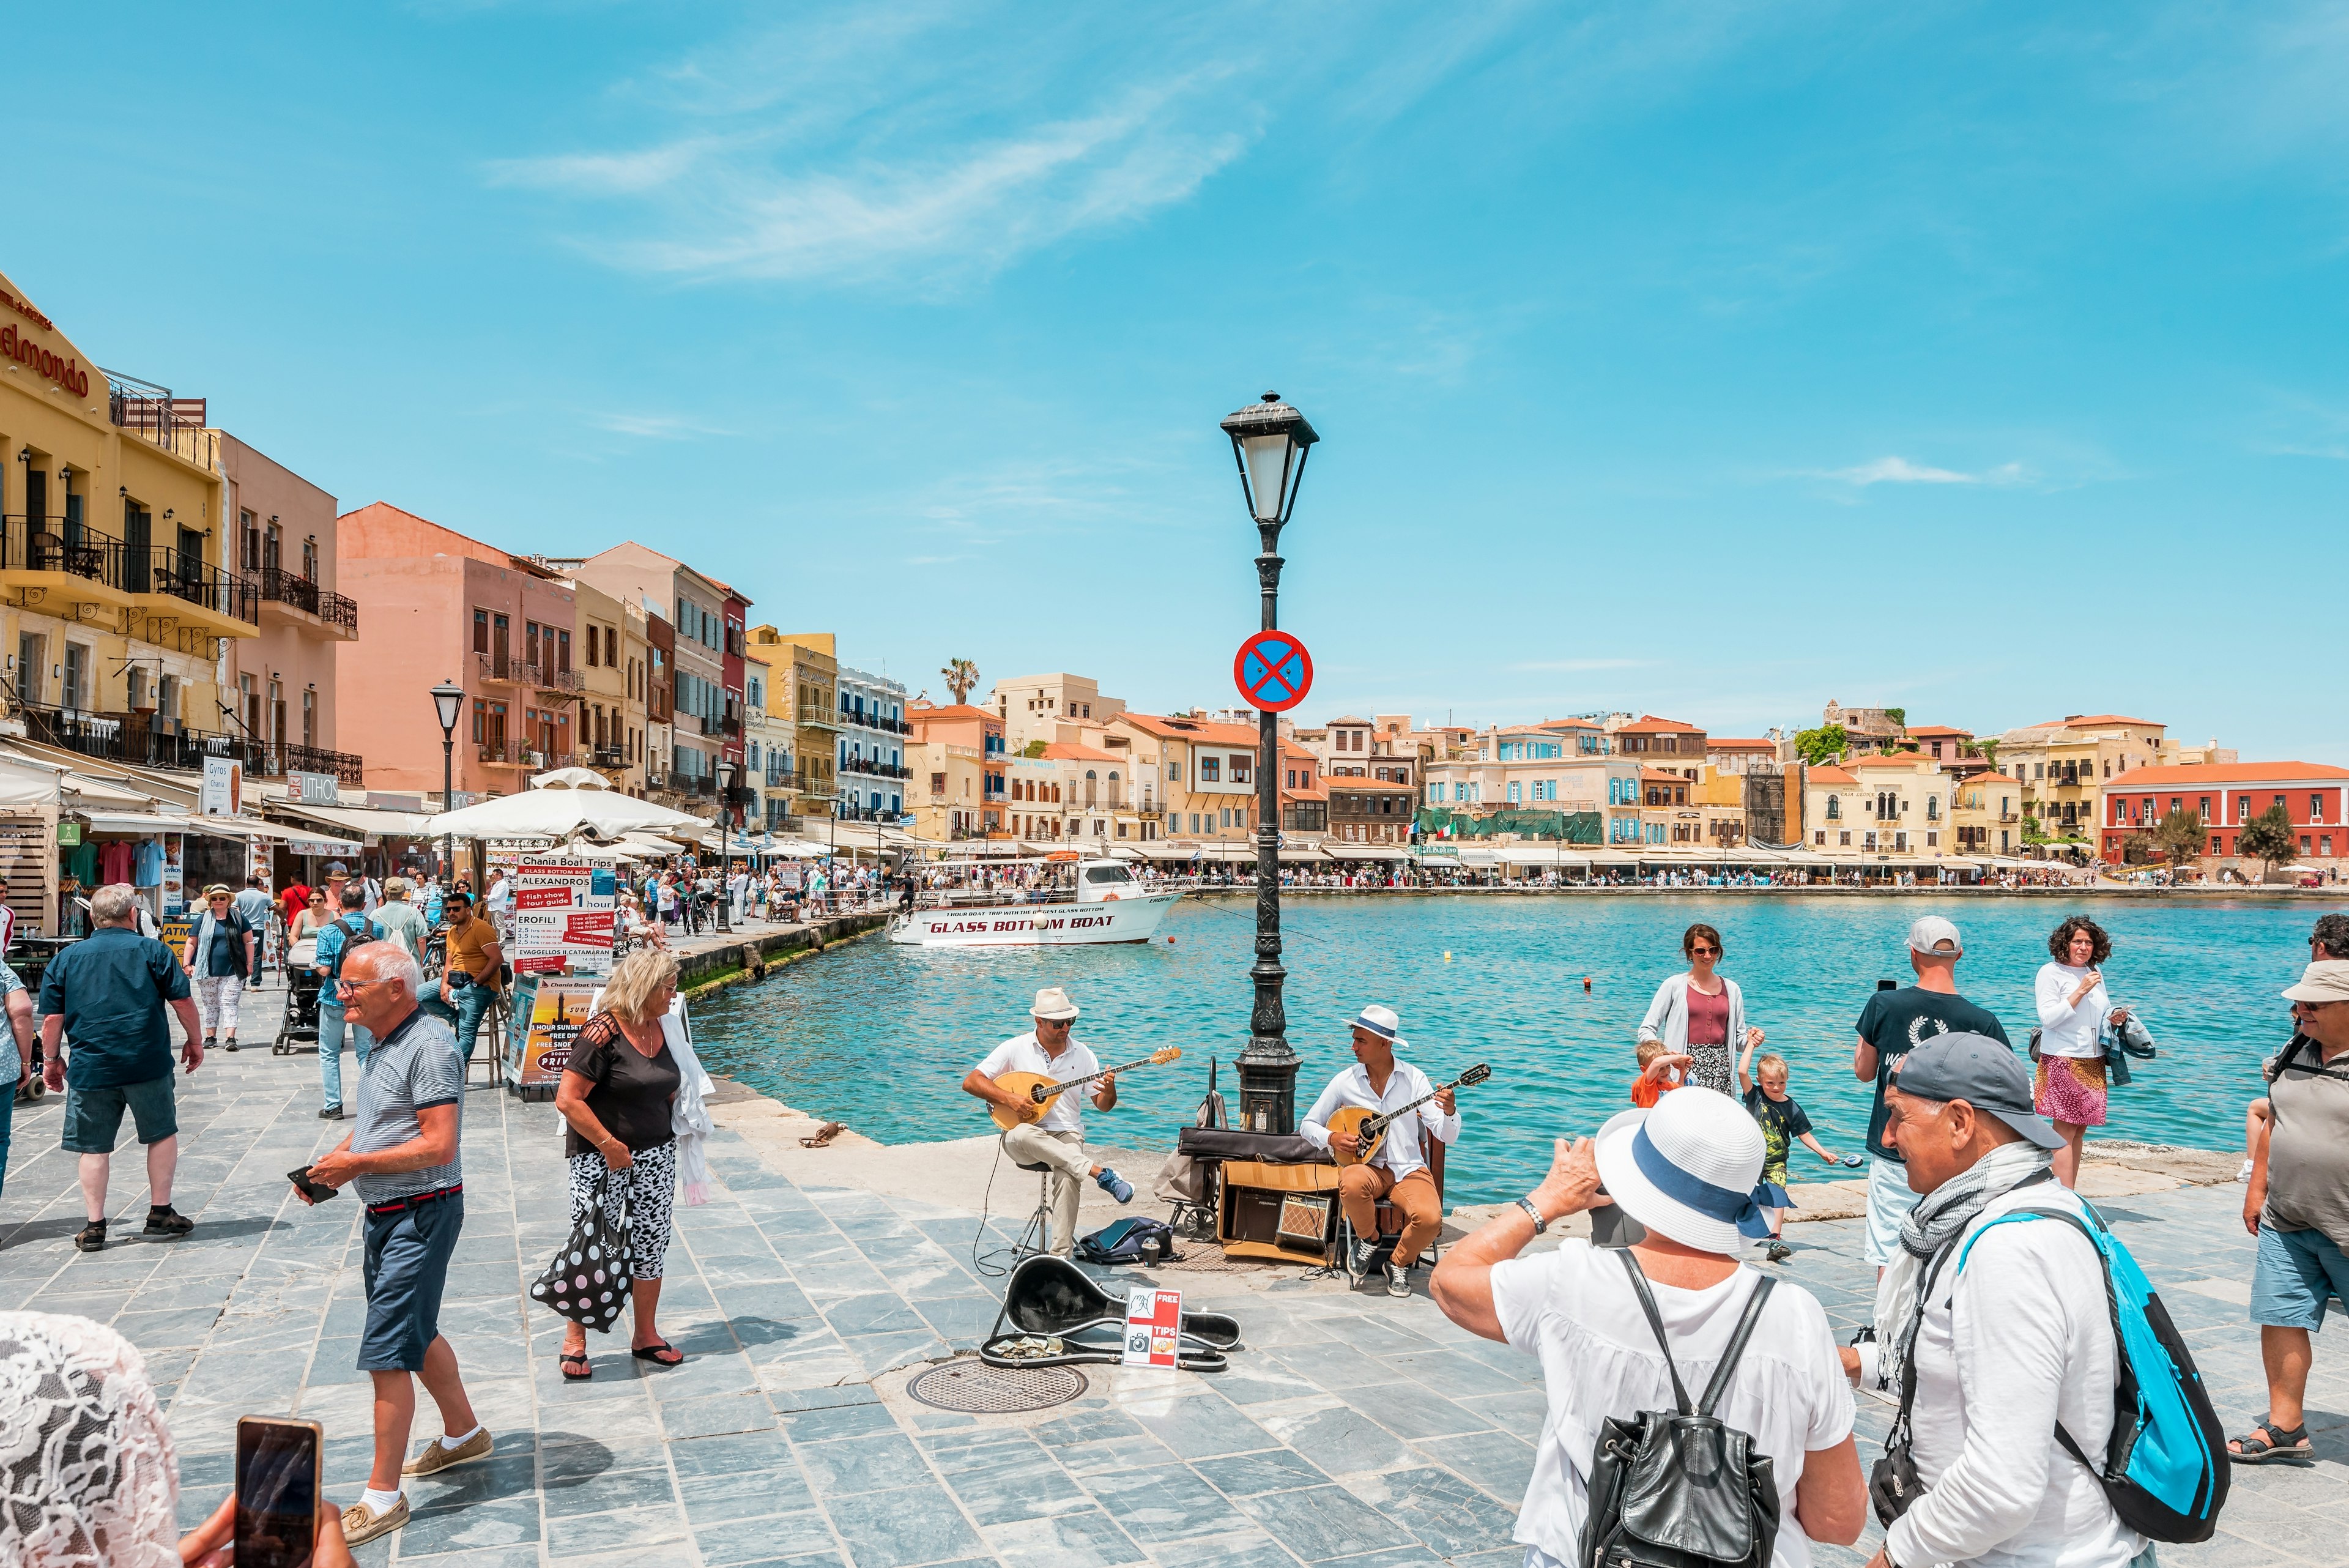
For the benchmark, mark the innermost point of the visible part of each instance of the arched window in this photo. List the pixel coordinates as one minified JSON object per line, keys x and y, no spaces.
{"x":1932,"y":808}
{"x":1112,"y":788}
{"x":1092,"y":788}
{"x":1835,"y":809}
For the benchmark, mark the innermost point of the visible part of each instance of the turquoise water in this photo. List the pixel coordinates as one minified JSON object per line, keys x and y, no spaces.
{"x":879,"y":1036}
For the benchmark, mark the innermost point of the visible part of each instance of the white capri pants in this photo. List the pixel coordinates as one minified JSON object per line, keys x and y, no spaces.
{"x":216,"y":999}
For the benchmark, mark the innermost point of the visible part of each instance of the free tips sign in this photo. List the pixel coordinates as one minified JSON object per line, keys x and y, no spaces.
{"x":1273,"y":671}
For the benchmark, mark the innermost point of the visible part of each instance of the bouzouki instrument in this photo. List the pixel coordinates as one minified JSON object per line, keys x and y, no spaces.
{"x":1371,"y":1127}
{"x":1042,"y":1091}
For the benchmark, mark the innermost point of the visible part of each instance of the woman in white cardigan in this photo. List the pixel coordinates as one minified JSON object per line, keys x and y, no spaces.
{"x":1701,"y":1014}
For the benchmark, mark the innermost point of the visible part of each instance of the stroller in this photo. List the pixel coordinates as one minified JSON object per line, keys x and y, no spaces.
{"x":301,"y":988}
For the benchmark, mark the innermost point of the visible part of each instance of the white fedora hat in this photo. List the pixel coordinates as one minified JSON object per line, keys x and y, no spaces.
{"x":1052,"y":1005}
{"x":1382,"y":1023}
{"x":1686,"y":1170}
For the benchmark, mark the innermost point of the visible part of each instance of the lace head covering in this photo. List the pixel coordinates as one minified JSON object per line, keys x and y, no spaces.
{"x":86,"y":1477}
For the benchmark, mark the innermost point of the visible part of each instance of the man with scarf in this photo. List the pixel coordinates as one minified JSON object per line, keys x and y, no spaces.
{"x":1995,"y":1352}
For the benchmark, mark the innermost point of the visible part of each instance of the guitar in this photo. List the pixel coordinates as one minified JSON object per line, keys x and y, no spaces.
{"x":1042,"y":1091}
{"x":1371,"y":1127}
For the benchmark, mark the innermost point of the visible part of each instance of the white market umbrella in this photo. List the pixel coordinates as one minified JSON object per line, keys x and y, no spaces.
{"x":556,"y":813}
{"x":570,"y":778}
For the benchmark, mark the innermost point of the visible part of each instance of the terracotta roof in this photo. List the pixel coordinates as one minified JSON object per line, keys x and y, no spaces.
{"x":1310,"y":792}
{"x":947,"y":710}
{"x":1662,"y":776}
{"x":1649,"y":724}
{"x":1741,"y":743}
{"x":1070,"y":751}
{"x":1994,"y":778}
{"x":1831,"y":774}
{"x":2111,"y":719}
{"x":1935,"y":731}
{"x":1893,"y":760}
{"x":2191,"y":773}
{"x":1205,"y":730}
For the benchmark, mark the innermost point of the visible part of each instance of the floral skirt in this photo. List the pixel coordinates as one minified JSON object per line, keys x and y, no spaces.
{"x":2070,"y":1089}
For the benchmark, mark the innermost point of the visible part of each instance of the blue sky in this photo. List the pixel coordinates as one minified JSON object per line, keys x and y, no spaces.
{"x":1710,"y":359}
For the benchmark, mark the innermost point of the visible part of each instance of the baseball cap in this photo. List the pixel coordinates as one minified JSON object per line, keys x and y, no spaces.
{"x":2326,"y":980}
{"x":1932,"y":934}
{"x":1985,"y":1073}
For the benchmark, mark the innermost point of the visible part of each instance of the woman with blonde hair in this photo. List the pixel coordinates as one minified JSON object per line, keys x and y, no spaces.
{"x":633,"y":1094}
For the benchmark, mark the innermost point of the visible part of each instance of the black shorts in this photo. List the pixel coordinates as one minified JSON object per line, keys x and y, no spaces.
{"x":407,"y":1266}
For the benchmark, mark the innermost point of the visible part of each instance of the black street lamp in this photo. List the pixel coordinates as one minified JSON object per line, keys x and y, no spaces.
{"x":1270,"y":441}
{"x":725,"y":768}
{"x":449,"y":698}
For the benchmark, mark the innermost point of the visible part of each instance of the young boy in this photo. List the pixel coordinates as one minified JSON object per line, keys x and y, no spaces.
{"x":1661,"y":1072}
{"x":1782,"y":1121}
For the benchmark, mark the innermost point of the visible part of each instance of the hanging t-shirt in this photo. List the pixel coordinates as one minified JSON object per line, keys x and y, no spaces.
{"x":114,"y":862}
{"x":147,"y":863}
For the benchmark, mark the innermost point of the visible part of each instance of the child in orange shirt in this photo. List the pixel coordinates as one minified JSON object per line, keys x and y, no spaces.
{"x":1661,"y":1072}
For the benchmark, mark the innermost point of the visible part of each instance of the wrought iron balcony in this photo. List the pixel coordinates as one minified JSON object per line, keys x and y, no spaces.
{"x":295,"y":591}
{"x":344,"y":766}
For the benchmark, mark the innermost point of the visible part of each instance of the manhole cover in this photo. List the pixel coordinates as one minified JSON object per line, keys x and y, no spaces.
{"x":984,"y":1390}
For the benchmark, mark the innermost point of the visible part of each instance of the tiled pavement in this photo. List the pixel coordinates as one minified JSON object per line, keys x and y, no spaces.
{"x":1352,"y":1428}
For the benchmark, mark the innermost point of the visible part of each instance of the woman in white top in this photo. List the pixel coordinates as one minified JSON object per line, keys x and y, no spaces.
{"x":1701,"y":1013}
{"x":2069,"y":1089}
{"x":1683,"y":1175}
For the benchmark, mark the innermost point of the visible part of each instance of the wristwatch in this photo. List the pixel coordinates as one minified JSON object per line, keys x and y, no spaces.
{"x":1540,"y":1224}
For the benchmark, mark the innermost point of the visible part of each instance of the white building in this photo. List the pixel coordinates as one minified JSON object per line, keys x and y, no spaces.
{"x":872,"y":742}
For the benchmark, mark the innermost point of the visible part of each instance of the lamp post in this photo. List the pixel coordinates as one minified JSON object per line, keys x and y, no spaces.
{"x":449,"y":698}
{"x":726,"y":767}
{"x":1270,"y":441}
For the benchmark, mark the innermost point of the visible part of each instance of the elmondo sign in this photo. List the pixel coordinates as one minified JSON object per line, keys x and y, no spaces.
{"x":1273,"y":671}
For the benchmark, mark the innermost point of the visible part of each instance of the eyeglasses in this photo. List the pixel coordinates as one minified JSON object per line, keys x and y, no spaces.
{"x":341,"y":984}
{"x":1701,"y":949}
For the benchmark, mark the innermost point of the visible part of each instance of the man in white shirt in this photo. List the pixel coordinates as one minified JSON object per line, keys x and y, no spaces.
{"x":2013,"y":1339}
{"x":1398,"y":1173}
{"x":1057,"y":1137}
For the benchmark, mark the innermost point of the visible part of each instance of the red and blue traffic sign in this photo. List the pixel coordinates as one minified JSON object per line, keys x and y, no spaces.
{"x":1273,"y":671}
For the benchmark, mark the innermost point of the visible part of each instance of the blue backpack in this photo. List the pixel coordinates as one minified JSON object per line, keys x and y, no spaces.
{"x":2165,"y":1470}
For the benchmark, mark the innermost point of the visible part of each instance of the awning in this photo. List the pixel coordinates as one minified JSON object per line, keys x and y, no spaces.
{"x":1367,"y":851}
{"x":137,"y":821}
{"x":363,"y":821}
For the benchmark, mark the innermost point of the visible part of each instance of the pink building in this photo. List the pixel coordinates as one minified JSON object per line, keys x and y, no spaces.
{"x":281,"y":683}
{"x":442,"y":606}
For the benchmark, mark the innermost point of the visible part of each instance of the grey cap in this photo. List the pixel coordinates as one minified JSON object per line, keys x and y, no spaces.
{"x":1985,"y":1073}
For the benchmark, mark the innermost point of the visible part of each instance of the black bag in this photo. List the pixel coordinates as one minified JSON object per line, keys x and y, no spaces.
{"x":588,"y":1280}
{"x":1676,"y":1489}
{"x":1136,"y":1239}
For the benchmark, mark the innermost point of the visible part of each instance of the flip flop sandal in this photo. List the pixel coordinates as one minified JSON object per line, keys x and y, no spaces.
{"x":653,"y":1353}
{"x":2266,"y":1442}
{"x":91,"y":1237}
{"x":584,"y":1372}
{"x":824,"y":1135}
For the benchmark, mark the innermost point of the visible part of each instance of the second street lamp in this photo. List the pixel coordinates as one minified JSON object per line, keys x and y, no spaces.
{"x":726,"y":767}
{"x":1270,"y":441}
{"x":449,"y":701}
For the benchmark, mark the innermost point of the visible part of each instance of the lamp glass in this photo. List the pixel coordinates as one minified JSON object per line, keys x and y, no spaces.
{"x":1267,"y":458}
{"x":725,"y":768}
{"x":448,"y":698}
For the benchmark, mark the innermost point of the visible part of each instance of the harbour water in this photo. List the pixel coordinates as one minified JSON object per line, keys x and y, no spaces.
{"x":879,"y":1036}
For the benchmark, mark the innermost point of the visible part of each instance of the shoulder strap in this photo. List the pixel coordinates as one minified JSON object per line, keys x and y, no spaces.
{"x":1656,"y":1326}
{"x":1729,"y":1357}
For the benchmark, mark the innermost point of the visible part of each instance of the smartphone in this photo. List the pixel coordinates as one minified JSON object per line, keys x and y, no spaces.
{"x":276,"y":1491}
{"x":317,"y":1192}
{"x":1888,"y":985}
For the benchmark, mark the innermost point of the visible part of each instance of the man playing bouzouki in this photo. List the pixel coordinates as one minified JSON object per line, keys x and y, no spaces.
{"x":1057,"y":1136}
{"x":1397,"y":1170}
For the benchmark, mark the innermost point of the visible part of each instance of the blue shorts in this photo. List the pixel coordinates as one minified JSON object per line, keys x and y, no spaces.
{"x":1890,"y":1200}
{"x":2293,"y":1273}
{"x":406,"y":1264}
{"x":93,"y":1113}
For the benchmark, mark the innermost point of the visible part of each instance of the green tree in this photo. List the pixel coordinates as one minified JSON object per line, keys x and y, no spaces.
{"x":1899,"y":717}
{"x":962,"y":676}
{"x":1033,"y":749}
{"x":2179,"y":836}
{"x":2268,"y":838}
{"x":1821,"y":745}
{"x":1987,"y":749}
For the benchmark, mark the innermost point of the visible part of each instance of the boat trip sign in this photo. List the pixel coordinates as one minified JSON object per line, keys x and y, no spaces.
{"x":1273,"y":671}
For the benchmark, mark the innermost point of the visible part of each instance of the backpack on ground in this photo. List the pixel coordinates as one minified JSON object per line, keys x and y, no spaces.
{"x":1677,"y":1488}
{"x":2165,"y":1470}
{"x":1136,"y":1239}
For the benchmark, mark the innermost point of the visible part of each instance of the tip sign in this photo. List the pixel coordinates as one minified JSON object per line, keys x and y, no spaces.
{"x":1273,"y":671}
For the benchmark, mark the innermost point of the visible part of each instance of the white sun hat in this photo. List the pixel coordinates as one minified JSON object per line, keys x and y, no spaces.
{"x":1052,"y":1005}
{"x":1686,"y":1170}
{"x":1383,"y":1022}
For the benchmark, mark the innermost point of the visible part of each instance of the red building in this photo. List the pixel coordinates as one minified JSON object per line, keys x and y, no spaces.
{"x":737,"y":610}
{"x":2227,"y":796}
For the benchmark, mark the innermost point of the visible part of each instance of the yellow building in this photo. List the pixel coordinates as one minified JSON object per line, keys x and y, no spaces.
{"x":1986,"y":815}
{"x":115,"y":585}
{"x":2064,"y":768}
{"x":804,"y":677}
{"x":602,"y":662}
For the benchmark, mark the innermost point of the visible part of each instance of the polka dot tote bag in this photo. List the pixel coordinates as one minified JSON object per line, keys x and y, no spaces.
{"x":588,"y":1280}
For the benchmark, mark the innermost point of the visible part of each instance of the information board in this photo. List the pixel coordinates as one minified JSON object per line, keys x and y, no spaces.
{"x":548,"y":1012}
{"x":563,"y":916}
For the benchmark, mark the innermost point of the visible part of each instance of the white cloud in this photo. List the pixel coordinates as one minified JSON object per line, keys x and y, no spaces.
{"x":1900,"y":471}
{"x":1577,"y":666}
{"x":654,"y":427}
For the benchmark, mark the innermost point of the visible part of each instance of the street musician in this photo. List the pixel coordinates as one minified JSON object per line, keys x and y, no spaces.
{"x":1057,"y":1136}
{"x":1397,"y":1170}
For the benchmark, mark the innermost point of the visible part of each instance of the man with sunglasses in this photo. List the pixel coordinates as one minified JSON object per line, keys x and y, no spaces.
{"x":2298,"y":1207}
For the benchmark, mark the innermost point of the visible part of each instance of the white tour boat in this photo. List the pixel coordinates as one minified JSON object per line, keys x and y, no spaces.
{"x":1107,"y":906}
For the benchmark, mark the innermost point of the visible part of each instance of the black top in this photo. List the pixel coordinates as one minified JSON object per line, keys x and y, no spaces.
{"x":633,"y":1091}
{"x":1782,"y":1122}
{"x":1897,"y":1022}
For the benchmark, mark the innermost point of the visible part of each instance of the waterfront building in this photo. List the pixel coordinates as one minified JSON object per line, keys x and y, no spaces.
{"x":2063,"y":767}
{"x":281,"y":684}
{"x":870,"y":757}
{"x":447,"y":606}
{"x":608,"y":743}
{"x":1037,"y":707}
{"x":766,"y":750}
{"x":1986,"y":814}
{"x":803,"y":681}
{"x":961,"y":784}
{"x":121,"y":593}
{"x":1205,"y":770}
{"x":1715,"y":814}
{"x":1737,"y":754}
{"x":1666,"y":743}
{"x":1894,"y":806}
{"x":1304,"y":797}
{"x":1867,"y":731}
{"x":1368,"y":812}
{"x":637,"y":746}
{"x":706,"y":713}
{"x":2226,"y":795}
{"x":1553,"y":767}
{"x":660,"y":709}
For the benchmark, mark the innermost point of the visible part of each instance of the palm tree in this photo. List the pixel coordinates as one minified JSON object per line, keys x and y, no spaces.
{"x":962,"y":676}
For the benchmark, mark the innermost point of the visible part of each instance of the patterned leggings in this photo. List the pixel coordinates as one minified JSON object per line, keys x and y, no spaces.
{"x":650,"y":1186}
{"x":216,"y":999}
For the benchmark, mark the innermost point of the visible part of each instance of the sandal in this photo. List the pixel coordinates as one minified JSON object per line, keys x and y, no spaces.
{"x":653,"y":1353}
{"x":167,"y":1222}
{"x":92,"y":1237}
{"x":824,"y":1135}
{"x":2266,"y":1442}
{"x":565,"y":1361}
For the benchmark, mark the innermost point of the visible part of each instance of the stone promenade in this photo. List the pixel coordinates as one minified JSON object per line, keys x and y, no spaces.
{"x":1353,"y":1429}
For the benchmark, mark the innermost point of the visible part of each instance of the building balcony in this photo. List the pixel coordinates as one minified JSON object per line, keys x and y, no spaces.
{"x":143,"y":739}
{"x":569,"y":683}
{"x":56,"y":567}
{"x":997,"y":795}
{"x":815,"y":716}
{"x":867,"y":767}
{"x":344,"y":767}
{"x":604,"y":759}
{"x":293,"y":599}
{"x":865,"y":814}
{"x":499,"y":668}
{"x":183,"y":594}
{"x":508,"y":754}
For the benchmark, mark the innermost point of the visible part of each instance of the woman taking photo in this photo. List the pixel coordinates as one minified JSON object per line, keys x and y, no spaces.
{"x":2073,"y":1008}
{"x":1701,"y":1013}
{"x":630,"y":1092}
